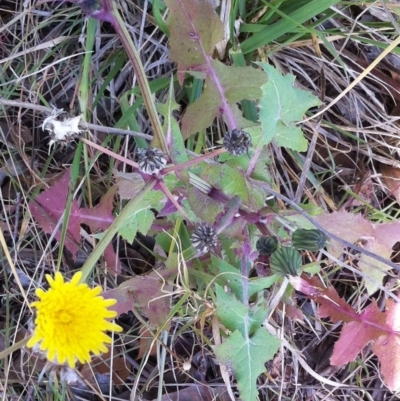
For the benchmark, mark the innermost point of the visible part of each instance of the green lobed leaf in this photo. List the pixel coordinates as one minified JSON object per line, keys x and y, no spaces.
{"x":282,"y":105}
{"x":234,"y":315}
{"x":143,"y":217}
{"x":231,"y":276}
{"x":247,"y":356}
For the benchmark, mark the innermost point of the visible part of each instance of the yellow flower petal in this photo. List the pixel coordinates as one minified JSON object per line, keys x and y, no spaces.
{"x":76,"y":278}
{"x":71,"y":320}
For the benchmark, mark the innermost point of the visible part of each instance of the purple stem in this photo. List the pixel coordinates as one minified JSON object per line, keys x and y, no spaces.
{"x":196,"y":160}
{"x":168,"y":194}
{"x":253,"y":162}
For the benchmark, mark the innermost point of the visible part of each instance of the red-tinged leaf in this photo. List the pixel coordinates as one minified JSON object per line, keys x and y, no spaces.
{"x":371,"y":325}
{"x":387,"y":347}
{"x":195,"y":28}
{"x":99,"y":217}
{"x":149,"y":291}
{"x":124,"y":297}
{"x":331,"y":304}
{"x":153,"y":301}
{"x":334,"y":307}
{"x":233,"y":182}
{"x":294,"y":313}
{"x":356,"y":335}
{"x":204,"y":206}
{"x":48,"y":207}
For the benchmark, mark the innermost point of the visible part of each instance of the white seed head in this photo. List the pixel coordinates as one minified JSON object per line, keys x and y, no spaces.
{"x":62,"y":128}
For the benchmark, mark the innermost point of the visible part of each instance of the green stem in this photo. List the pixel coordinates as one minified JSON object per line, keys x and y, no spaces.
{"x":134,"y":58}
{"x":85,"y":93}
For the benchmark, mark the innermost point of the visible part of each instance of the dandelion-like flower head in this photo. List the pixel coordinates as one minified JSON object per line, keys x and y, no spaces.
{"x":71,"y":320}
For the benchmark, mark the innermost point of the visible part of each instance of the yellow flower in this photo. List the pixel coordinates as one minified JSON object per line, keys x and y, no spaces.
{"x":71,"y":320}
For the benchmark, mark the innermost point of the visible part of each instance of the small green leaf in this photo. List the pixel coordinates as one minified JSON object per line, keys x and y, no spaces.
{"x":312,"y":268}
{"x":171,"y":129}
{"x":282,"y":105}
{"x":247,"y":356}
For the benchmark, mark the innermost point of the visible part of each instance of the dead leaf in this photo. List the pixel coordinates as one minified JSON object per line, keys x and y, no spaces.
{"x":376,"y":238}
{"x":198,"y":393}
{"x":150,"y":291}
{"x":129,"y":184}
{"x":121,"y":368}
